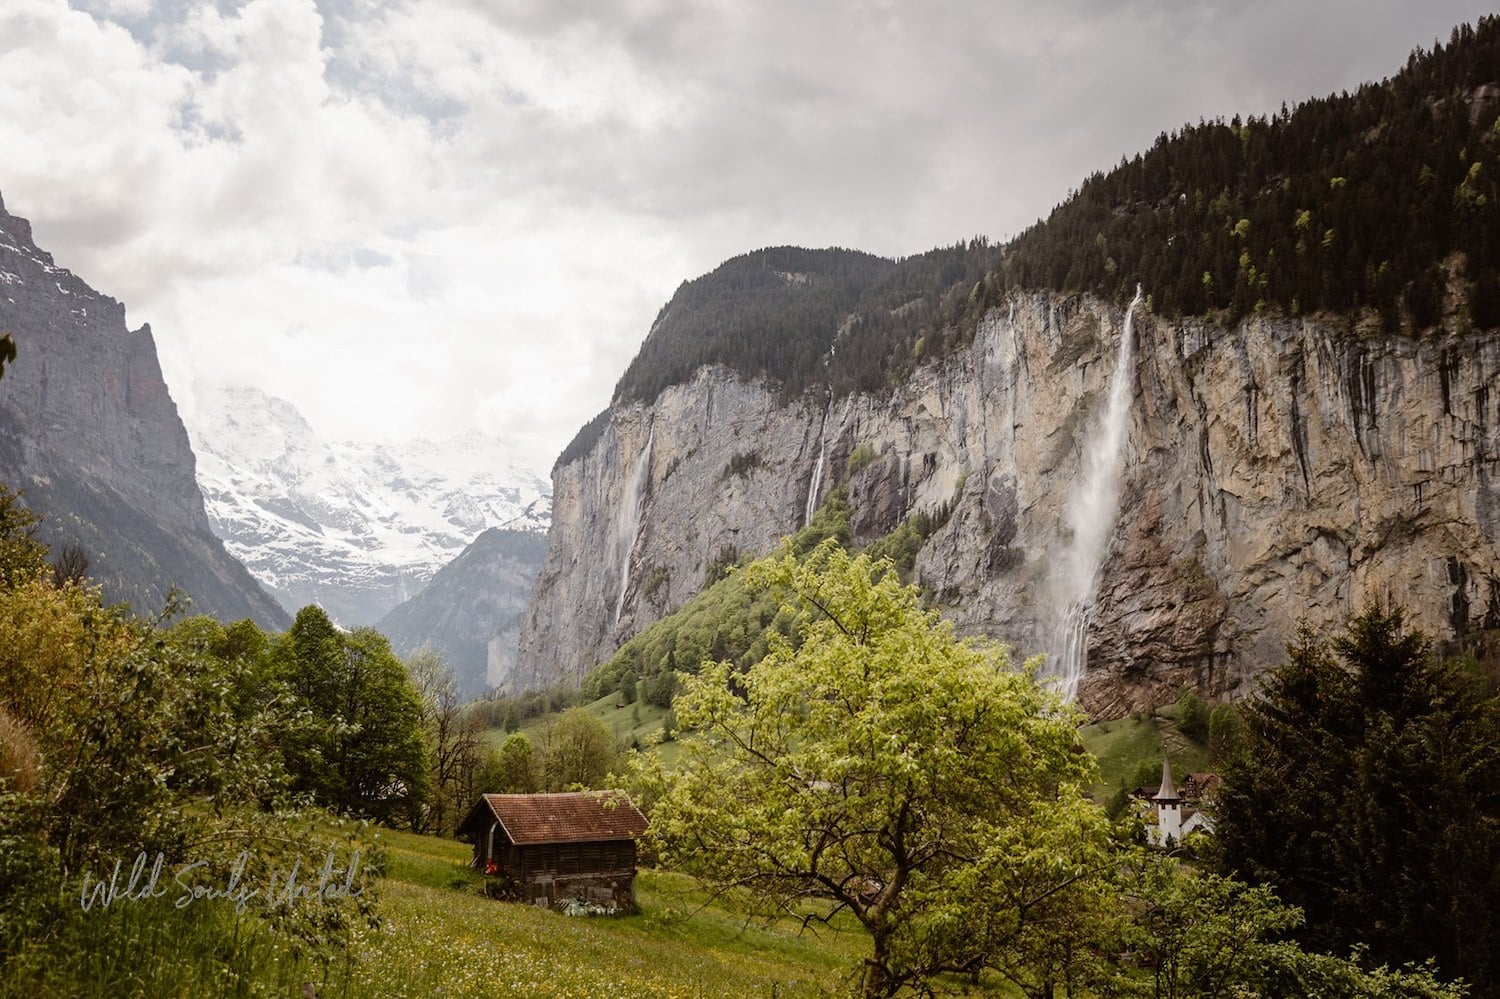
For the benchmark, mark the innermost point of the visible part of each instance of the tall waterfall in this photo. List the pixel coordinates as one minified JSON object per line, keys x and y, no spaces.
{"x":628,"y":516}
{"x":817,"y":481}
{"x":1091,"y":519}
{"x":817,"y":476}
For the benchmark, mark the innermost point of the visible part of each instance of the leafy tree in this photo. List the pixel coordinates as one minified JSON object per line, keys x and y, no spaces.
{"x":21,"y":554}
{"x":1365,"y":794}
{"x":916,"y":781}
{"x":578,"y":748}
{"x":1204,"y":935}
{"x":363,"y":753}
{"x":1223,"y":730}
{"x":452,"y":739}
{"x":1192,"y":715}
{"x":512,"y":769}
{"x":118,"y":736}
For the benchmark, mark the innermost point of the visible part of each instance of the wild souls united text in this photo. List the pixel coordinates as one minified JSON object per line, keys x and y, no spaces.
{"x":191,"y":881}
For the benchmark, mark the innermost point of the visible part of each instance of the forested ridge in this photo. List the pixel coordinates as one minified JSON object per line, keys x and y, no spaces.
{"x":1381,"y":199}
{"x":803,"y":320}
{"x":1384,"y":199}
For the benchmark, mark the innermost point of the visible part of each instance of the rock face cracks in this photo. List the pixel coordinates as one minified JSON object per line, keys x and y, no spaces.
{"x":1279,"y":471}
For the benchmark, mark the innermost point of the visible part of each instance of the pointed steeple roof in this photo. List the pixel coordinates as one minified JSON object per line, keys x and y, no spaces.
{"x":1168,"y":790}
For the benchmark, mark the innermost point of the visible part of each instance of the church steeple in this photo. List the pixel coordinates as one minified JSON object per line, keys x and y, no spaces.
{"x":1168,"y":809}
{"x":1168,"y":791}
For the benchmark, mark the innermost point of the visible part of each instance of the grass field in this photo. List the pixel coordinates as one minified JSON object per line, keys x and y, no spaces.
{"x":1123,"y":745}
{"x":441,"y":937}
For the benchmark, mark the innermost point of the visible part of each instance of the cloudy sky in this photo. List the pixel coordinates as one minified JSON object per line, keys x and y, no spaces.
{"x":423,"y":217}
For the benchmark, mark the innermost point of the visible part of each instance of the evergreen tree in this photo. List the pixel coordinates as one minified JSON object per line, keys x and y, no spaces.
{"x":1365,"y":793}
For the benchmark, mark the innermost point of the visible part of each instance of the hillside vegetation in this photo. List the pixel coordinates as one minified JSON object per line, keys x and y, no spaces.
{"x":1383,"y":199}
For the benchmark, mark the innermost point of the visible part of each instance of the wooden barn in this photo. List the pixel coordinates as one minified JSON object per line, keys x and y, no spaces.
{"x":553,"y":848}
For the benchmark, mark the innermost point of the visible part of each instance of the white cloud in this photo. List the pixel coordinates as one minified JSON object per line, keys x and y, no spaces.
{"x":412,"y":217}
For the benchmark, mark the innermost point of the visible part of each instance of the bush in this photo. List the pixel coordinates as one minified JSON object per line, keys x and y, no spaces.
{"x":1192,"y":716}
{"x":1223,"y":730}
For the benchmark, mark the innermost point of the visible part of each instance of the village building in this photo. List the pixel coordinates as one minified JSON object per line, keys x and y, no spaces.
{"x":551,"y":849}
{"x":1173,"y":812}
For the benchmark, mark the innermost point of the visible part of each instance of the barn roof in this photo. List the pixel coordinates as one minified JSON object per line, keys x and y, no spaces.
{"x":571,"y":817}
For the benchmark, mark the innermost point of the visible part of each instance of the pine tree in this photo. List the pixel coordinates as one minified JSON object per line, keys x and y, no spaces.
{"x":1364,"y":793}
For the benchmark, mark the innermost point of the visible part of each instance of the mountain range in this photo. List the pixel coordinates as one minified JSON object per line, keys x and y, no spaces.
{"x":356,"y":528}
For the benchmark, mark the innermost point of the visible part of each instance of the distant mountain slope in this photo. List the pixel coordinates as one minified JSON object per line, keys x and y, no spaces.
{"x":355,"y":528}
{"x":471,"y":610}
{"x":806,"y":321}
{"x":89,"y":431}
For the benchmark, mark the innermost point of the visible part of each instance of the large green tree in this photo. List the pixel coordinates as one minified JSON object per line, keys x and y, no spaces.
{"x":1365,"y":794}
{"x":919,"y":782}
{"x":362,"y":751}
{"x":578,"y":748}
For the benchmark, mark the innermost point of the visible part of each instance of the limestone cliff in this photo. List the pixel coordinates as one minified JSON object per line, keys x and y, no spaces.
{"x":1280,"y":470}
{"x":90,"y":433}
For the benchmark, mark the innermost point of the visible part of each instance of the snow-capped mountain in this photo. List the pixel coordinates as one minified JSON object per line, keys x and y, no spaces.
{"x":355,"y":528}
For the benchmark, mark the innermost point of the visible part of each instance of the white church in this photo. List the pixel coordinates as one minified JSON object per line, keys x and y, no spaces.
{"x":1174,"y":813}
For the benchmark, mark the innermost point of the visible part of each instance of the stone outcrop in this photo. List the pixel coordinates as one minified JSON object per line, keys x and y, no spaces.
{"x":90,"y":433}
{"x":1283,"y":470}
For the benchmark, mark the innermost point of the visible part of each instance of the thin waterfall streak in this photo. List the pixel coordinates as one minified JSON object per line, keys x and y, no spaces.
{"x":817,"y":477}
{"x":628,"y":519}
{"x":817,"y":482}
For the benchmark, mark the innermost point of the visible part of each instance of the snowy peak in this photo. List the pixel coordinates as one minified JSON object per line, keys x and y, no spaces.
{"x":356,"y":528}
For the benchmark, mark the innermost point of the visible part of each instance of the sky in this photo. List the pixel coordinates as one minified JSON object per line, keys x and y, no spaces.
{"x":421,"y":218}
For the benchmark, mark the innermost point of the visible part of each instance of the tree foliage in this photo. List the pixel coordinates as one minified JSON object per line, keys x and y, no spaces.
{"x":1365,"y":794}
{"x":140,"y":739}
{"x":1200,"y":935}
{"x":452,"y":737}
{"x":22,"y":556}
{"x":919,"y":782}
{"x":577,"y":749}
{"x":512,"y":769}
{"x":363,"y":752}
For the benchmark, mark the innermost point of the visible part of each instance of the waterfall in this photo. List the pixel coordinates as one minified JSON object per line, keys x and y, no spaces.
{"x":817,"y":481}
{"x":817,"y":476}
{"x":628,"y":516}
{"x":1091,"y":518}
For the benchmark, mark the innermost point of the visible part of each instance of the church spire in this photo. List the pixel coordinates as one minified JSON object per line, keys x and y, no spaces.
{"x":1168,"y":791}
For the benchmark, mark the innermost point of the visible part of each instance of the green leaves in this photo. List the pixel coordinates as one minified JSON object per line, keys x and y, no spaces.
{"x":918,"y":781}
{"x":360,"y":747}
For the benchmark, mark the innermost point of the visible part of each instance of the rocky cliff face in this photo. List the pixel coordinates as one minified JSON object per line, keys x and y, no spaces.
{"x":470,"y":612}
{"x":1278,"y":471}
{"x":89,"y":431}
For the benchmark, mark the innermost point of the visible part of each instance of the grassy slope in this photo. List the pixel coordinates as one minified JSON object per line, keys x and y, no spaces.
{"x":1125,"y":743}
{"x":442,"y":938}
{"x":620,"y":718}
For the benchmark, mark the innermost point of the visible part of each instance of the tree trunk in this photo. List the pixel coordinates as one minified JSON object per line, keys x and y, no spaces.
{"x":877,"y":982}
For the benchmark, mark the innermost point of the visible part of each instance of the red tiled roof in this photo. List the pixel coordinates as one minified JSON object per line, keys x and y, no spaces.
{"x":572,"y":817}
